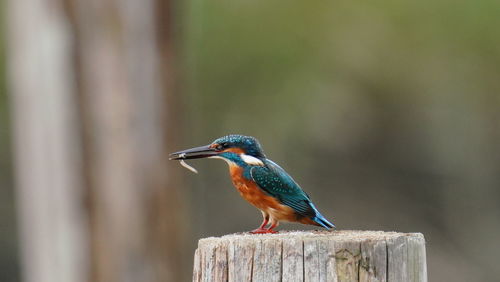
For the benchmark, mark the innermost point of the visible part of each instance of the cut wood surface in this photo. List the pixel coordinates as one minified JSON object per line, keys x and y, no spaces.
{"x":312,"y":256}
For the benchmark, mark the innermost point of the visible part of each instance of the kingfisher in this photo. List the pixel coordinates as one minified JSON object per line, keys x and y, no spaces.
{"x":260,"y":181}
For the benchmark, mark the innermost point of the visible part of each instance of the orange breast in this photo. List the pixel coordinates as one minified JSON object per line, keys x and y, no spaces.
{"x":258,"y":198}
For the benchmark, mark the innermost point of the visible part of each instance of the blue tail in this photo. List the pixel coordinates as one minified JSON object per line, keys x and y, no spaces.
{"x":321,"y":220}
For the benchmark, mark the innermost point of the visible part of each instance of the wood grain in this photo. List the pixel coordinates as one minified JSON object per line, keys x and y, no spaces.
{"x":312,"y":256}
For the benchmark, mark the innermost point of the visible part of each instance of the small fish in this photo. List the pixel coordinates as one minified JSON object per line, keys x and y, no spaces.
{"x":184,"y":164}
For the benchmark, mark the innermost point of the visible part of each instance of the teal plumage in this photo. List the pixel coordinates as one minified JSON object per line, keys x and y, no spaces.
{"x":277,"y":183}
{"x":260,"y":181}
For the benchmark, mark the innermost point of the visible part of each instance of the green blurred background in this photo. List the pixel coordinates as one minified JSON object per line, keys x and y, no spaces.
{"x":387,"y":113}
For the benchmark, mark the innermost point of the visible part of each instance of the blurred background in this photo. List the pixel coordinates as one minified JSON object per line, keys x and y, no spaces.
{"x":386,"y":113}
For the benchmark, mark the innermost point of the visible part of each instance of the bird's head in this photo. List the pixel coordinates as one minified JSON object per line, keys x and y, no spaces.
{"x":232,"y":148}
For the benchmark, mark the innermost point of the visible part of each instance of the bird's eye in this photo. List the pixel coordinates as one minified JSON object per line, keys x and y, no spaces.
{"x":219,"y":147}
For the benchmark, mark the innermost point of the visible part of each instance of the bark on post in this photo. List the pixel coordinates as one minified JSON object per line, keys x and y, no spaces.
{"x":312,"y":256}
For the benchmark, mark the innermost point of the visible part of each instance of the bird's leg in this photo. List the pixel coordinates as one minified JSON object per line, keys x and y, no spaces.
{"x":274,"y":223}
{"x":261,"y":228}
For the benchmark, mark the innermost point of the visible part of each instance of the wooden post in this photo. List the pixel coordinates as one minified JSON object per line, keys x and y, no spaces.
{"x":312,"y":256}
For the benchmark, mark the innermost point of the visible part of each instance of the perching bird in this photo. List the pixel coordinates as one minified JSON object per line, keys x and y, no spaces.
{"x":260,"y":181}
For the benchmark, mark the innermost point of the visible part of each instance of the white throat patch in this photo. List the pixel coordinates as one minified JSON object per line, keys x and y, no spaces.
{"x":251,"y":160}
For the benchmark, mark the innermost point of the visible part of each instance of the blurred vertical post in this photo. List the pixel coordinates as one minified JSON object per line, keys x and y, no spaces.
{"x":134,"y":204}
{"x":92,"y":88}
{"x":49,"y":177}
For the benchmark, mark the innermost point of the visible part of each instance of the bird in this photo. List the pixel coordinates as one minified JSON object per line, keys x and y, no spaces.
{"x":260,"y":181}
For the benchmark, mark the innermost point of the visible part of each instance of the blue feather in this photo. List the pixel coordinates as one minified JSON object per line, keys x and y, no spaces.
{"x":321,"y":220}
{"x":276,"y":182}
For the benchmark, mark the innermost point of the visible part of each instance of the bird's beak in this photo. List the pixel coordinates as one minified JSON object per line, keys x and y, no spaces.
{"x":194,"y":153}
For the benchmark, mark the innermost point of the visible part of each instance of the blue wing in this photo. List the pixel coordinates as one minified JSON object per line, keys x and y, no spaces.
{"x":276,"y":182}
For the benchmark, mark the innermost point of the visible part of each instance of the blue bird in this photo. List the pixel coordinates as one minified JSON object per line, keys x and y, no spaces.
{"x":260,"y":181}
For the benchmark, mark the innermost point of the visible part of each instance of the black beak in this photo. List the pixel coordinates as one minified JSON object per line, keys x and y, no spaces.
{"x":194,"y":153}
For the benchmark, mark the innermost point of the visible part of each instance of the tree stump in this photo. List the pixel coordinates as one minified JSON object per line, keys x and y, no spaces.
{"x":312,"y":256}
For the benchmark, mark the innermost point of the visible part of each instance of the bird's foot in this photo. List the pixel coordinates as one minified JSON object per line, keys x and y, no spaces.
{"x":263,"y":231}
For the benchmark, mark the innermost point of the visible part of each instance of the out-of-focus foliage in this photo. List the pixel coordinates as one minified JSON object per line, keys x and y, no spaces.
{"x":387,"y":113}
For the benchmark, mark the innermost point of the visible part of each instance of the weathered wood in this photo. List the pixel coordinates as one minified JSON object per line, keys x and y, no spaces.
{"x":366,"y":256}
{"x":240,"y":259}
{"x":373,"y":261}
{"x":293,"y":263}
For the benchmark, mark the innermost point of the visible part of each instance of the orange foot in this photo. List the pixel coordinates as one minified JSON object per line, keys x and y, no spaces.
{"x":263,"y":231}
